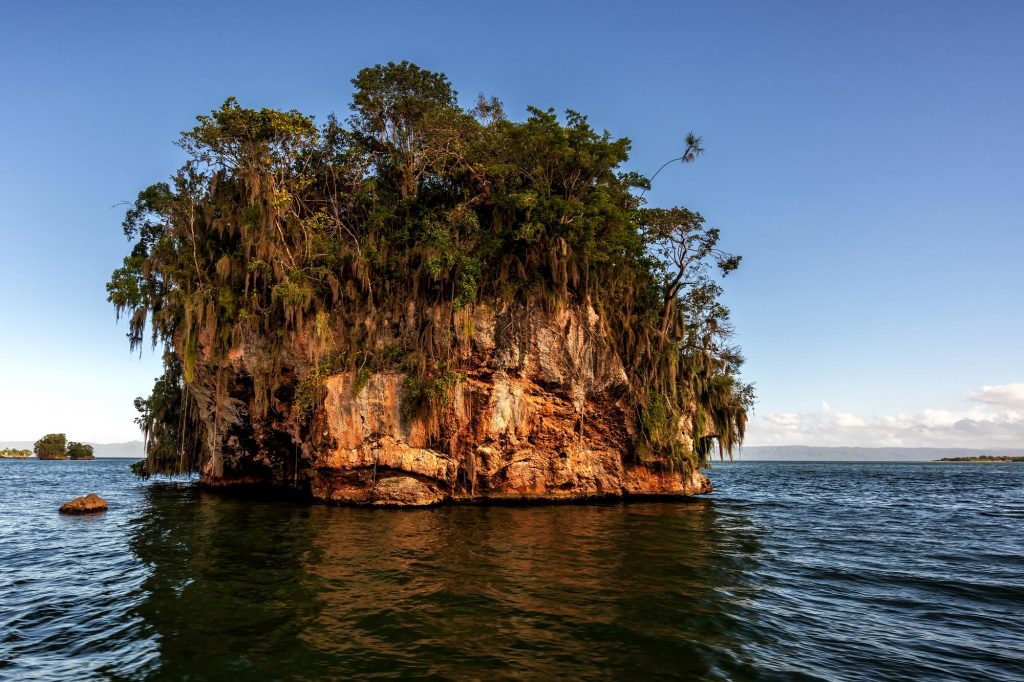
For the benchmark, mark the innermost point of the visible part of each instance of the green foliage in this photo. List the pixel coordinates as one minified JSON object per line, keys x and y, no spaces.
{"x":51,"y":446}
{"x":363,"y":375}
{"x":140,"y":469}
{"x":659,"y":426}
{"x":14,"y":453}
{"x":310,"y":391}
{"x":421,"y":394}
{"x":79,"y":451}
{"x":173,"y":438}
{"x":361,"y":242}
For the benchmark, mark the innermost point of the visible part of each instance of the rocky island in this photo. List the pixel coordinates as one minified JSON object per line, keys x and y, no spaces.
{"x":80,"y":451}
{"x":427,"y":304}
{"x":56,"y":446}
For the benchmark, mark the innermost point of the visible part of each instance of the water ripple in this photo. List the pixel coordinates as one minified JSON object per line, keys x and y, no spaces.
{"x":788,"y":572}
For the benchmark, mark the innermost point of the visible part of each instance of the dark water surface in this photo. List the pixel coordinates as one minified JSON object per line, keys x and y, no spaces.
{"x":788,"y":571}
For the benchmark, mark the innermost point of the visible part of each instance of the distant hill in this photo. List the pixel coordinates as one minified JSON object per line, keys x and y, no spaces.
{"x":132,"y":448}
{"x":810,"y":453}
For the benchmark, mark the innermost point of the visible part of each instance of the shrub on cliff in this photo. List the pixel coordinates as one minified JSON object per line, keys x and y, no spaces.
{"x":364,"y":240}
{"x":139,"y":469}
{"x":51,"y":446}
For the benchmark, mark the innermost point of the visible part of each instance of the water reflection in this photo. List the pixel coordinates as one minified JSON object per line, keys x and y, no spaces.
{"x":853,"y":571}
{"x":276,"y":590}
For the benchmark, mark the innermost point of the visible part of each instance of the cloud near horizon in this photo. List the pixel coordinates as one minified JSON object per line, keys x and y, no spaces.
{"x":994,"y":420}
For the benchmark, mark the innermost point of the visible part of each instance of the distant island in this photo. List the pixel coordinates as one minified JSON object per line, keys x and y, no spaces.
{"x":80,"y":451}
{"x":130,"y":449}
{"x":55,"y":446}
{"x":51,"y":446}
{"x":12,"y":453}
{"x":982,"y":458}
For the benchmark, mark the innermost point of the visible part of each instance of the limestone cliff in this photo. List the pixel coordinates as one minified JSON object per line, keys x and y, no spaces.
{"x":539,"y":413}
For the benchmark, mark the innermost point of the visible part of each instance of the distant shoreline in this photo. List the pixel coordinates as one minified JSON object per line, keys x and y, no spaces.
{"x":982,"y":459}
{"x":65,"y":458}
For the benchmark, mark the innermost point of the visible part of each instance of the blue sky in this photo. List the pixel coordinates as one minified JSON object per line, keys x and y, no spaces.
{"x":866,"y":159}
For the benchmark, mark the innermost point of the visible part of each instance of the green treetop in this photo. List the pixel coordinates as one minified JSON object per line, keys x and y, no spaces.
{"x":51,"y":446}
{"x":80,"y":451}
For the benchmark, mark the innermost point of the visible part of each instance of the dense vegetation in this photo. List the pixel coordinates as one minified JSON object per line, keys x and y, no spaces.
{"x":364,"y":242}
{"x":51,"y":446}
{"x":80,"y":451}
{"x":56,"y":446}
{"x":14,"y":453}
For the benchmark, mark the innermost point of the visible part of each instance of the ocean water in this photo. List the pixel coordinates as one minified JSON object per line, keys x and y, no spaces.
{"x":788,"y":571}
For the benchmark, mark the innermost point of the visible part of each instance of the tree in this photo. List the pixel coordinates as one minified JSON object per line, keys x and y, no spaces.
{"x":80,"y":451}
{"x":685,"y":249}
{"x":51,"y":446}
{"x":392,"y":109}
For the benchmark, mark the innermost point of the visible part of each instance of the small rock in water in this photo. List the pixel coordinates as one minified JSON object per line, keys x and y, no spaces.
{"x":89,"y":504}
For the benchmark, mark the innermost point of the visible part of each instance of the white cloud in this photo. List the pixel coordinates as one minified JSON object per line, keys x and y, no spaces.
{"x":1007,"y":395}
{"x":996,"y":420}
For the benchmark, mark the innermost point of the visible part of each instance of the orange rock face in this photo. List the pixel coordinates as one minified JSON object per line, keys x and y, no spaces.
{"x":538,"y":416}
{"x":90,"y":504}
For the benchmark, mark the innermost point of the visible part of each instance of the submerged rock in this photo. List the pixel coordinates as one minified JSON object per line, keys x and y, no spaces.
{"x":90,"y":504}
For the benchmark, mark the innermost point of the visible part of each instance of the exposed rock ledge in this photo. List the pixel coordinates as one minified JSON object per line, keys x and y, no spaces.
{"x":539,"y":416}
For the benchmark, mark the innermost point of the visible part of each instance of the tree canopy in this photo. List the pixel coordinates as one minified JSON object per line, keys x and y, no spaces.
{"x":51,"y":446}
{"x":79,"y":451}
{"x":279,"y":227}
